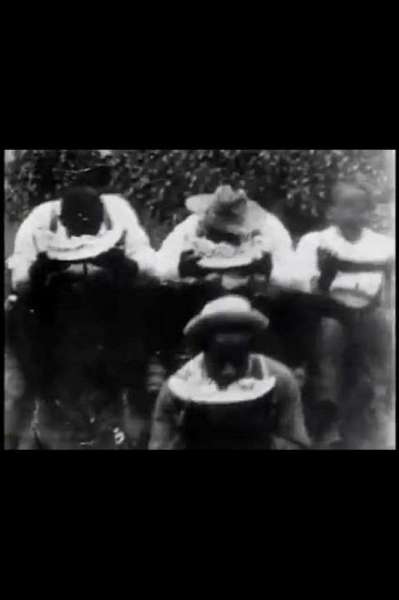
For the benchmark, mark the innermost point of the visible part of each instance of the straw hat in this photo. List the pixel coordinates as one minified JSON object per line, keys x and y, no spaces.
{"x":225,"y":311}
{"x":230,"y":212}
{"x":225,"y":210}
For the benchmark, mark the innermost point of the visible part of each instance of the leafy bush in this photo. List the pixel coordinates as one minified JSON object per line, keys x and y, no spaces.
{"x":293,"y":183}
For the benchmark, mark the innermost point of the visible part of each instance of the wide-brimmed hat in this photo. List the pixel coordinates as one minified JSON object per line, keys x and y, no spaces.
{"x":225,"y":210}
{"x":230,"y":212}
{"x":234,"y":311}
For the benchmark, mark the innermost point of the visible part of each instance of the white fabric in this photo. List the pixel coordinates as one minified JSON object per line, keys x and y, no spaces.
{"x":274,"y":238}
{"x":371,"y":247}
{"x":192,"y":383}
{"x":59,"y":246}
{"x":226,"y":305}
{"x":33,"y":236}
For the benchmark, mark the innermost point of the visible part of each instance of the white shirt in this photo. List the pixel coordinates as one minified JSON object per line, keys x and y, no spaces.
{"x":29,"y":238}
{"x":276,"y":239}
{"x":370,"y":247}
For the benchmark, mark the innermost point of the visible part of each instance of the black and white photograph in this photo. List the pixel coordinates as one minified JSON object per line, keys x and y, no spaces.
{"x":199,"y":299}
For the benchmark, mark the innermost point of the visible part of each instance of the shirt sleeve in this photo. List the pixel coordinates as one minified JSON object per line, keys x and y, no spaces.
{"x":305,"y":266}
{"x":384,"y":247}
{"x":168,"y":256}
{"x":281,"y":250}
{"x":165,"y":432}
{"x":137,"y":243}
{"x":291,"y":423}
{"x":25,"y":248}
{"x":282,"y":242}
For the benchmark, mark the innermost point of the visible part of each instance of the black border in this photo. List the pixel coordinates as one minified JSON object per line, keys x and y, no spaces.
{"x":292,"y":110}
{"x":194,"y":121}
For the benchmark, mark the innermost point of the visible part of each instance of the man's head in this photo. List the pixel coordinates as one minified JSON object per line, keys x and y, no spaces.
{"x":82,"y":211}
{"x":351,"y":205}
{"x":223,"y":212}
{"x":227,"y":354}
{"x":225,"y":331}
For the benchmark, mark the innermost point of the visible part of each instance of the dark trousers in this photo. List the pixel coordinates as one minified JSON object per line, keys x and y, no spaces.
{"x":347,"y":355}
{"x":81,"y":341}
{"x":292,"y":327}
{"x":351,"y":371}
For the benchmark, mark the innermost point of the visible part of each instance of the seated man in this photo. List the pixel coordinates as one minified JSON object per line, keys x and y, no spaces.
{"x":80,"y":226}
{"x":228,"y":245}
{"x":227,"y":231}
{"x":72,"y":326}
{"x":228,"y":396}
{"x":345,"y":266}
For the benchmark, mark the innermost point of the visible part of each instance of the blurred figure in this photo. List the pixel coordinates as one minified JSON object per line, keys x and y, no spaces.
{"x":17,"y":421}
{"x":348,"y":266}
{"x":228,"y":396}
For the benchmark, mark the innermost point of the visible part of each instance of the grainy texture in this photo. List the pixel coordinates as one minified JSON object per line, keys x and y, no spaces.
{"x":292,"y":183}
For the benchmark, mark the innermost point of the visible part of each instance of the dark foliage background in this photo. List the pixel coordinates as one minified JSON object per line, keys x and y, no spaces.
{"x":293,"y":183}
